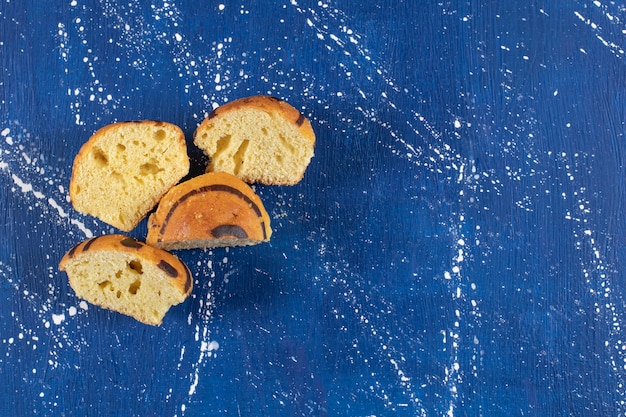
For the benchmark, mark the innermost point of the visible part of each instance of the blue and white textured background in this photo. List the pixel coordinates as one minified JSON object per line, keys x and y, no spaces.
{"x":456,"y":247}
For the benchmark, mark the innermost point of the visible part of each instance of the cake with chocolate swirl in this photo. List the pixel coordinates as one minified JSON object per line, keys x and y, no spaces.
{"x":122,"y":274}
{"x":211,"y":210}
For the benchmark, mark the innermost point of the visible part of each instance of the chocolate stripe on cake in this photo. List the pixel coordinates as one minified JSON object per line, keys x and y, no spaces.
{"x":167,"y":268}
{"x":230,"y":230}
{"x":130,"y":242}
{"x":206,"y":188}
{"x":89,"y":243}
{"x":70,"y":254}
{"x":187,"y":280}
{"x":300,"y":120}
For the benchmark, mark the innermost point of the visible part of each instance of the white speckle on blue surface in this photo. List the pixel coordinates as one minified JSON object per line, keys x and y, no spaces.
{"x":58,"y":318}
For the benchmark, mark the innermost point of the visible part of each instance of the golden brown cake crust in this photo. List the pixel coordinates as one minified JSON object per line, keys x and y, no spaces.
{"x":165,"y":261}
{"x":213,"y":209}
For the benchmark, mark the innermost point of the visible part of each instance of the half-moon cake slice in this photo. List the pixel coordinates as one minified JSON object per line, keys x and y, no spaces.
{"x":212,"y":210}
{"x":122,"y":274}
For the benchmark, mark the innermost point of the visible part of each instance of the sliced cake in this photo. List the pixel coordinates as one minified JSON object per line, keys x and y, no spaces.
{"x":123,"y":274}
{"x":123,"y":170}
{"x":211,"y":210}
{"x":259,"y":139}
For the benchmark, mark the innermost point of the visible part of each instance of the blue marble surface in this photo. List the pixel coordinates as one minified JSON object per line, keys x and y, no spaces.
{"x":456,"y":247}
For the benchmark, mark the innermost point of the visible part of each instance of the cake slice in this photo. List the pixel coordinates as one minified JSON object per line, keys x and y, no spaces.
{"x":259,"y":139}
{"x":211,"y":210}
{"x":123,"y":170}
{"x":122,"y":274}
